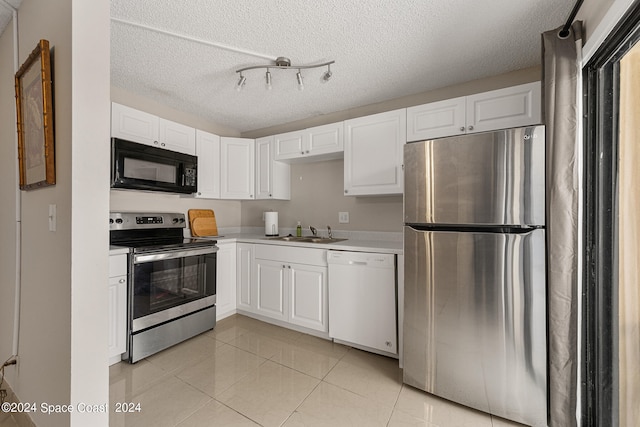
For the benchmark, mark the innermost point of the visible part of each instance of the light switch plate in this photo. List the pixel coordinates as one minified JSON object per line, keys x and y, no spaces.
{"x":343,"y":217}
{"x":52,"y":217}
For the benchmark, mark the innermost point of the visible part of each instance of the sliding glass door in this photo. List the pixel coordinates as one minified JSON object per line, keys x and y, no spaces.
{"x":612,"y":230}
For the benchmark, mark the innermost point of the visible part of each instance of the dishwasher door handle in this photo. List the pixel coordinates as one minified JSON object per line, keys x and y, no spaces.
{"x":358,"y":263}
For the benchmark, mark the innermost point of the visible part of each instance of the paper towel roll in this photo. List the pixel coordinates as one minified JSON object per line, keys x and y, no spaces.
{"x":271,"y":223}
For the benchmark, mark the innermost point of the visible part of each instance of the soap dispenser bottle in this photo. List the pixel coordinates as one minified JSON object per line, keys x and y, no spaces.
{"x":299,"y":230}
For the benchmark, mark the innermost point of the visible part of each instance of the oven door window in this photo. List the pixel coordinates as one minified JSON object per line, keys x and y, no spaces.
{"x":159,"y":285}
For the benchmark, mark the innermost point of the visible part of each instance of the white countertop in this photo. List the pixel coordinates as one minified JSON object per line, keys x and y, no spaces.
{"x":351,"y":244}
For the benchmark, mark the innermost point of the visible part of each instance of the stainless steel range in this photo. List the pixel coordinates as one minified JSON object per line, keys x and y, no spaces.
{"x":172,"y":281}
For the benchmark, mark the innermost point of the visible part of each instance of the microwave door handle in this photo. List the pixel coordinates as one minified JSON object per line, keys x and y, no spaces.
{"x":159,"y":256}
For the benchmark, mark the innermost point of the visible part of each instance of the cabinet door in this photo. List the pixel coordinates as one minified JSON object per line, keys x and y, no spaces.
{"x":373,"y":154}
{"x":436,"y":119}
{"x":208,"y":152}
{"x":117,"y":317}
{"x":177,"y":137}
{"x":225,"y":279}
{"x":273,"y":179}
{"x":271,"y":289}
{"x":244,"y":277}
{"x":504,"y":108}
{"x":133,"y":125}
{"x":291,"y":145}
{"x":308,"y":296}
{"x":326,"y":139}
{"x":264,"y":170}
{"x":237,"y":164}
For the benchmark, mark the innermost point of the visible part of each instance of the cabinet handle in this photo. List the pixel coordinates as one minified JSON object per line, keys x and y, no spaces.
{"x":270,"y":195}
{"x":461,"y":128}
{"x":288,"y":266}
{"x":163,"y":144}
{"x":121,"y":281}
{"x":346,"y":191}
{"x":156,"y":142}
{"x":251,"y":196}
{"x":470,"y":127}
{"x":302,"y":152}
{"x":199,"y":193}
{"x":307,"y":151}
{"x":284,"y":266}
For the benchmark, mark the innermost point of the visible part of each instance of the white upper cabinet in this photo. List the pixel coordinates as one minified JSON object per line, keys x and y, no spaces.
{"x":498,"y":109}
{"x":133,"y":125}
{"x":290,"y":145}
{"x":373,"y":154}
{"x":273,"y":179}
{"x":137,"y":126}
{"x":177,"y":137}
{"x":505,"y":108}
{"x":237,"y":168}
{"x":326,"y":139}
{"x":208,"y":152}
{"x":312,"y":144}
{"x":436,"y":119}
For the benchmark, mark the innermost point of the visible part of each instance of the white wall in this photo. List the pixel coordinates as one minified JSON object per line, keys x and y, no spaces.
{"x":91,"y":128}
{"x":62,"y":351}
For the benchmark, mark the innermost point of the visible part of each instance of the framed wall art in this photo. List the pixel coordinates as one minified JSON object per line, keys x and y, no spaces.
{"x":34,"y":108}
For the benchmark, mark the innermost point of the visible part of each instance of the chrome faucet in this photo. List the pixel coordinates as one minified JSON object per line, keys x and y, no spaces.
{"x":313,"y":231}
{"x":329,"y":231}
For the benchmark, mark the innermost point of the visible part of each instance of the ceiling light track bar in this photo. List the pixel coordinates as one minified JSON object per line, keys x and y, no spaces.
{"x":286,"y":67}
{"x":194,"y":39}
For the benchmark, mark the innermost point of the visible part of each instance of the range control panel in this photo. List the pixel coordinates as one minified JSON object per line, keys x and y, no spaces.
{"x":133,"y":220}
{"x":149,"y":220}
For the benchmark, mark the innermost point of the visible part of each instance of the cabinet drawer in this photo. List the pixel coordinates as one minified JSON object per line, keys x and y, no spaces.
{"x":290,"y":254}
{"x":118,"y":265}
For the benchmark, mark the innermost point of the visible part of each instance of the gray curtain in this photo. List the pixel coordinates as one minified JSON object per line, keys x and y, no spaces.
{"x":561,"y":88}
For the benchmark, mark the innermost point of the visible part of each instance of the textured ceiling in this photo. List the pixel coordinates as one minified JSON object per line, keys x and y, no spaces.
{"x":383,"y":49}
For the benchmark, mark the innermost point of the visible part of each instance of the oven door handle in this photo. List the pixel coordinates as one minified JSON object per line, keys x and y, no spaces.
{"x":159,"y":256}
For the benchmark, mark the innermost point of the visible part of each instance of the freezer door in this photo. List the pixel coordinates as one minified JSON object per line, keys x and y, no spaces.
{"x":493,"y":178}
{"x":474,"y":323}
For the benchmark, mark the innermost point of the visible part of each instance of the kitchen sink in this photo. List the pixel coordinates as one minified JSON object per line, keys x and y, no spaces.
{"x":306,"y":239}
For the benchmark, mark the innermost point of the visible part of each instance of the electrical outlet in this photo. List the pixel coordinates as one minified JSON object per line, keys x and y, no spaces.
{"x":343,"y":217}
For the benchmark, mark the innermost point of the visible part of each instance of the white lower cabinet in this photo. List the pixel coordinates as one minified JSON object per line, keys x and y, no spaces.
{"x":117,"y":307}
{"x":289,"y":284}
{"x":225,"y":279}
{"x":244,"y":273}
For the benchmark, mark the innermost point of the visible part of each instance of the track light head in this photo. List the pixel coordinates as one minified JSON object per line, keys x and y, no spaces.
{"x":241,"y":82}
{"x":300,"y":81}
{"x":327,"y":75}
{"x":267,"y":79}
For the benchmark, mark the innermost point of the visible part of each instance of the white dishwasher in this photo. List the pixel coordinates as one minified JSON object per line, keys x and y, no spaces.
{"x":363,"y":301}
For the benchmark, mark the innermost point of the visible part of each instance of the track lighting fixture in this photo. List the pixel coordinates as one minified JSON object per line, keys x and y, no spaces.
{"x":284,"y":64}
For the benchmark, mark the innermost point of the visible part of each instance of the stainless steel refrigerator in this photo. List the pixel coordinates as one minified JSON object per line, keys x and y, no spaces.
{"x":475,"y":288}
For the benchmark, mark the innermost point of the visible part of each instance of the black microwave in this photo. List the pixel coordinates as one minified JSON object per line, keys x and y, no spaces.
{"x":142,"y":167}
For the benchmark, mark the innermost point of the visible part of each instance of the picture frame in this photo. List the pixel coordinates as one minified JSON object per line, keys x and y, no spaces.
{"x":35,"y":124}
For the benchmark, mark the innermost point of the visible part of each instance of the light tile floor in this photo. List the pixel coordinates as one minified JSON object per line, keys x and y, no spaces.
{"x":247,"y":373}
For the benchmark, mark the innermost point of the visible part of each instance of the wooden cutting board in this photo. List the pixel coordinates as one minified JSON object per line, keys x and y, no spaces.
{"x":202,"y":222}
